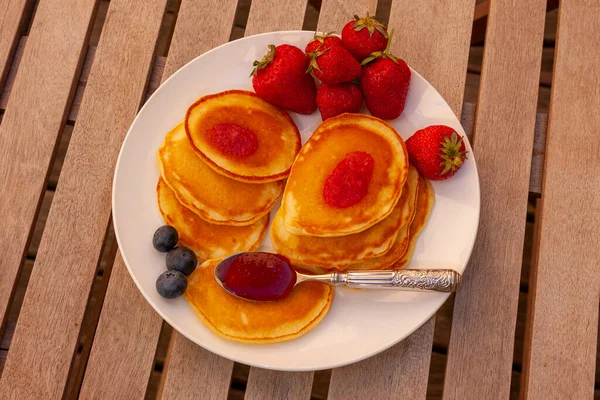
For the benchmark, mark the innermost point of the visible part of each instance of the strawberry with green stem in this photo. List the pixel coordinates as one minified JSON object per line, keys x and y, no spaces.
{"x":385,"y":82}
{"x":437,"y":151}
{"x":281,"y":79}
{"x":363,"y":36}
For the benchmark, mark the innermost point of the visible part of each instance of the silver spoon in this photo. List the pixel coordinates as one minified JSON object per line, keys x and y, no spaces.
{"x":267,"y":276}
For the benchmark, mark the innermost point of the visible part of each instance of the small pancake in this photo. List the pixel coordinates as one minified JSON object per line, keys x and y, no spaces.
{"x":275,"y":140}
{"x":205,"y":239}
{"x":340,"y":251}
{"x":214,"y":197}
{"x":305,"y":211}
{"x":256,"y":322}
{"x":401,"y":252}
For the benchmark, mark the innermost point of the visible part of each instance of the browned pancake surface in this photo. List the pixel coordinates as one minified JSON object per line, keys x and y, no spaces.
{"x":305,"y":211}
{"x":256,"y":322}
{"x":278,"y":137}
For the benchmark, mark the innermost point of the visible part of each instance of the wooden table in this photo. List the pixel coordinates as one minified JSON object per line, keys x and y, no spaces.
{"x":79,"y":333}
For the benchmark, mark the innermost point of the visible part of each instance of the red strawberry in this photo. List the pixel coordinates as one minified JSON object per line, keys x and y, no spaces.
{"x":334,"y":65}
{"x":322,"y":42}
{"x":337,"y":99}
{"x":385,"y":81}
{"x":281,"y":79}
{"x":436,"y":151}
{"x":364,"y":36}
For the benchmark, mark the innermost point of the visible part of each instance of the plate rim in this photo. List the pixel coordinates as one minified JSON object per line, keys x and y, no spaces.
{"x":231,"y":357}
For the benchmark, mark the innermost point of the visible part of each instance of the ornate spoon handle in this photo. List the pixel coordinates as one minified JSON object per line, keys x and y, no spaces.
{"x":438,"y":280}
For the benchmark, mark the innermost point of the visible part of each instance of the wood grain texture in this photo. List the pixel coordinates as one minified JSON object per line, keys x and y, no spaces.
{"x":14,"y":14}
{"x":276,"y":385}
{"x":197,"y":31}
{"x":121,"y":358}
{"x":433,"y":38}
{"x":398,"y":373}
{"x":33,"y":118}
{"x":505,"y":119}
{"x":336,"y":13}
{"x":196,"y":373}
{"x":564,"y":327}
{"x":52,"y":311}
{"x":444,"y":40}
{"x":275,"y":15}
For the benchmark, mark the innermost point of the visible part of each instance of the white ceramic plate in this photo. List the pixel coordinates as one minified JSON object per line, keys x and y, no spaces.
{"x":360,"y":324}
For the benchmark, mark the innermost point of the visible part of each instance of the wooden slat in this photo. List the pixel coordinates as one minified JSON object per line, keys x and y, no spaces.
{"x":336,"y":13}
{"x":566,"y":284}
{"x":275,"y":15}
{"x":197,"y":30}
{"x":398,"y":373}
{"x":485,"y":312}
{"x":265,"y":16}
{"x":196,"y":373}
{"x":433,"y":37}
{"x":121,"y":358}
{"x":275,"y":385}
{"x":31,"y":123}
{"x":14,"y":14}
{"x":58,"y":290}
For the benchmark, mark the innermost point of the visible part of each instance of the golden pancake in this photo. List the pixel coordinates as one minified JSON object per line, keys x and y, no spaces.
{"x":205,"y":239}
{"x":212,"y":196}
{"x":256,"y":322}
{"x":327,"y":159}
{"x":340,"y":251}
{"x":401,"y":252}
{"x":418,"y":223}
{"x":241,"y":136}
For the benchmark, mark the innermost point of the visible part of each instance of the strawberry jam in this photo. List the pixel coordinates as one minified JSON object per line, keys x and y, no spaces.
{"x":233,"y":140}
{"x":257,"y":276}
{"x":349,"y":181}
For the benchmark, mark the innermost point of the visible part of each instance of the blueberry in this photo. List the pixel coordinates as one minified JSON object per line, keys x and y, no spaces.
{"x":182,"y":259}
{"x":165,"y":238}
{"x":171,"y":284}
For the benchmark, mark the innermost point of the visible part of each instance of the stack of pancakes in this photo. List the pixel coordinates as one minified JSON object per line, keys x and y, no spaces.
{"x":380,"y":231}
{"x":219,"y":202}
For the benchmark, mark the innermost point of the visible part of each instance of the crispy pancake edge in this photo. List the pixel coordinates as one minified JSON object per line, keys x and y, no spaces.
{"x":205,"y":213}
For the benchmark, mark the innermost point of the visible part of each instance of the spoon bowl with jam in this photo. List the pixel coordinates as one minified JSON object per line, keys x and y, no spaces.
{"x":262,"y":276}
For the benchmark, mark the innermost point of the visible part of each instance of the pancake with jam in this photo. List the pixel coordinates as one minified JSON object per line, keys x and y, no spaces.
{"x":241,"y":136}
{"x":252,"y":321}
{"x":203,"y":238}
{"x":402,"y":250}
{"x":340,"y":251}
{"x":212,"y":196}
{"x":346,"y":178}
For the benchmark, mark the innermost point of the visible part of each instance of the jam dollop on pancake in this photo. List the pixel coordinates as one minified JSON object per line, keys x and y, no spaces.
{"x":213,"y":197}
{"x":339,"y":252}
{"x":349,"y":181}
{"x":342,"y":147}
{"x":243,"y":137}
{"x":203,"y":238}
{"x":252,"y":321}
